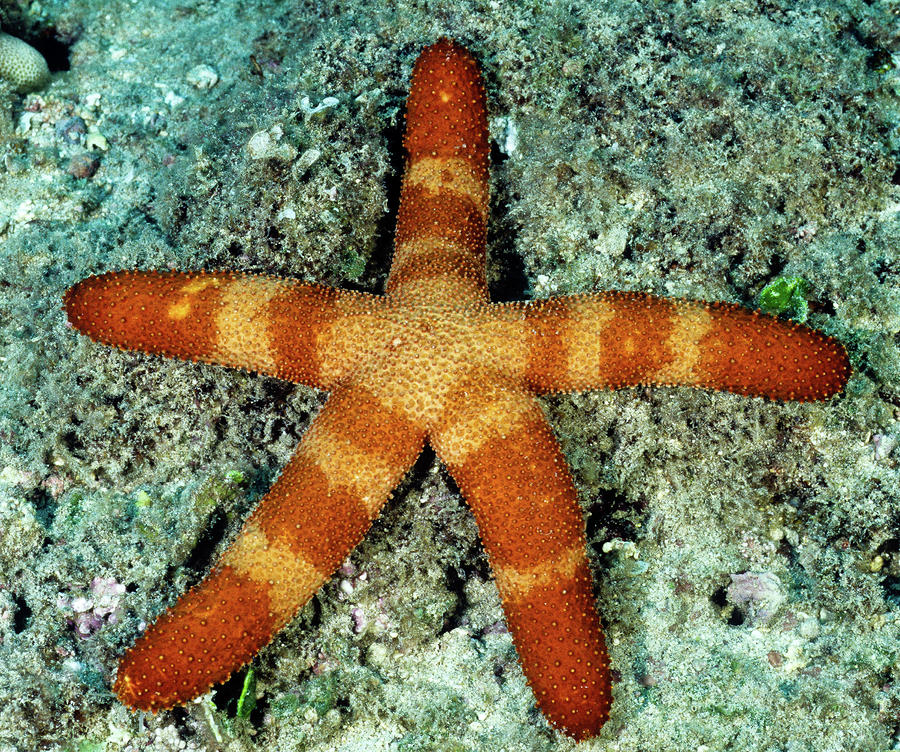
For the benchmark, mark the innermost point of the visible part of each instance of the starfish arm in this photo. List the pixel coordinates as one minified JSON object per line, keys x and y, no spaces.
{"x":350,"y":459}
{"x":442,"y":218}
{"x":276,"y":326}
{"x":627,"y":339}
{"x":500,"y":450}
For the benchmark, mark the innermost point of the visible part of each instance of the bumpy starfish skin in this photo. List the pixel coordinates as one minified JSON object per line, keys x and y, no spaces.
{"x":431,"y":360}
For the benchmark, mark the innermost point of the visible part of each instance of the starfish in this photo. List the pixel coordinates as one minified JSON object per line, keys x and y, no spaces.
{"x":431,"y":360}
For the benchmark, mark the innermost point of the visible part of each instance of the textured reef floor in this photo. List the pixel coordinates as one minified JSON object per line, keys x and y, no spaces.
{"x":746,"y":553}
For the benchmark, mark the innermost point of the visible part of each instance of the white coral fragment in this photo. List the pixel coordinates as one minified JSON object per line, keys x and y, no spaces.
{"x":327,"y":103}
{"x":202,"y":76}
{"x":264,"y":145}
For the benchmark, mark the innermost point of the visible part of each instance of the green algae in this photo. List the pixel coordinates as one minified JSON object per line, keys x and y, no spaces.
{"x":247,"y":700}
{"x":87,"y":746}
{"x":786,"y":295}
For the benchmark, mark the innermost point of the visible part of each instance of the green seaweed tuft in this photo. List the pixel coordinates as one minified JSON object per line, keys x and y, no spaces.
{"x":247,"y":701}
{"x":786,"y":295}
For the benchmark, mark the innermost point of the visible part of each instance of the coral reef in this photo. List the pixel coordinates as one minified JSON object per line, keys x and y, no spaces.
{"x":678,"y":149}
{"x":21,"y":64}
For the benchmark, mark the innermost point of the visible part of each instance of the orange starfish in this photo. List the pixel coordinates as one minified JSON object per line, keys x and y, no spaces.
{"x":433,"y":360}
